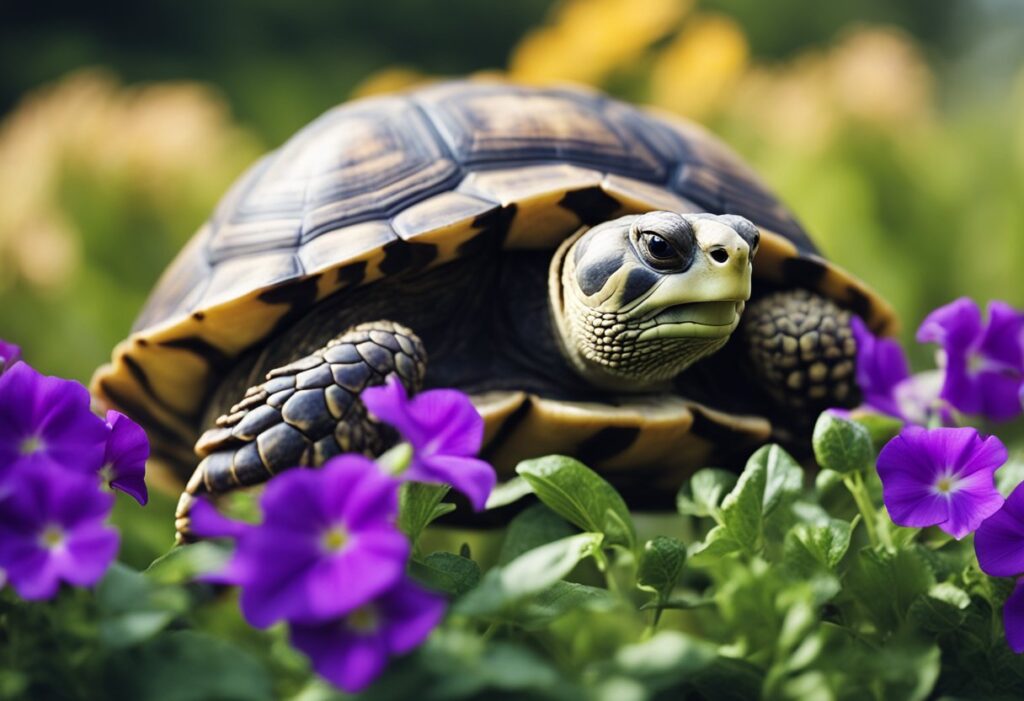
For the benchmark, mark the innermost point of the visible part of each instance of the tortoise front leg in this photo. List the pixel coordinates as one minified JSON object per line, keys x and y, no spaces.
{"x":803,"y":352}
{"x":305,"y":413}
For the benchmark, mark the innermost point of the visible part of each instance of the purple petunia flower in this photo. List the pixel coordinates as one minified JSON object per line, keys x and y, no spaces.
{"x":1013,"y":617}
{"x":352,"y":651}
{"x":124,"y":463}
{"x":52,"y":529}
{"x":327,"y":545}
{"x":984,"y":365}
{"x":999,"y":545}
{"x":881,"y":366}
{"x":47,"y":421}
{"x":941,"y":477}
{"x":884,"y":378}
{"x":999,"y":542}
{"x":9,"y":355}
{"x":445,"y":431}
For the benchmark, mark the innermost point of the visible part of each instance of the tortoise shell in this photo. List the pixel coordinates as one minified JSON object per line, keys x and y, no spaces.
{"x":384,"y":185}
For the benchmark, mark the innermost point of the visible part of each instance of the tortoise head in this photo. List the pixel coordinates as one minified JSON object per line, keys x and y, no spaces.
{"x":638,"y":299}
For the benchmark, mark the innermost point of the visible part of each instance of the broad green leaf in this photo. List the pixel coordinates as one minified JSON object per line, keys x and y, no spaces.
{"x":809,"y":548}
{"x":418,"y":505}
{"x":133,"y":608}
{"x":666,"y":659}
{"x":186,"y":562}
{"x":190,"y":666}
{"x":886,"y":583}
{"x":503,"y":588}
{"x":943,"y":610}
{"x":533,"y":527}
{"x":581,"y":496}
{"x":508,"y":492}
{"x":446,"y":572}
{"x":561,"y":598}
{"x":681,"y":601}
{"x":784,"y":478}
{"x":661,"y":563}
{"x":841,"y":445}
{"x":703,"y":494}
{"x":463,"y":666}
{"x":717,"y":543}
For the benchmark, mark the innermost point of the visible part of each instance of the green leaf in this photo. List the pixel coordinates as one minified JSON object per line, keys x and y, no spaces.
{"x":886,"y":583}
{"x":784,"y":478}
{"x":185,"y":562}
{"x":133,"y":607}
{"x":943,"y":610}
{"x":841,"y":445}
{"x":189,"y":666}
{"x":666,"y":659}
{"x":559,"y":599}
{"x":446,"y":572}
{"x":661,"y":564}
{"x":682,"y":601}
{"x":702,"y":495}
{"x":808,"y":548}
{"x":508,"y":492}
{"x":717,"y":543}
{"x":581,"y":496}
{"x":534,"y":527}
{"x":881,"y":428}
{"x":418,"y":505}
{"x":502,"y":588}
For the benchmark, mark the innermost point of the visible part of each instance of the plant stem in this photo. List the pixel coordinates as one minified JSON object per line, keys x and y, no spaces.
{"x":855,"y":485}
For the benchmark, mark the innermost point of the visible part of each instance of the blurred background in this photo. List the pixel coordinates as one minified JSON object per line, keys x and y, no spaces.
{"x":893,"y":130}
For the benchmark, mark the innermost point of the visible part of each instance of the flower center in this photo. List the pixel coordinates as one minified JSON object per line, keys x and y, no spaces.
{"x":107,"y":473}
{"x":334,"y":539}
{"x":946,"y":484}
{"x":363,"y":619}
{"x":52,"y":536}
{"x":31,"y":445}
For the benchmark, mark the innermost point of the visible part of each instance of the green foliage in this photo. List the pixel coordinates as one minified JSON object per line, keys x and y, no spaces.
{"x":581,"y":496}
{"x":841,"y":445}
{"x":420,"y":504}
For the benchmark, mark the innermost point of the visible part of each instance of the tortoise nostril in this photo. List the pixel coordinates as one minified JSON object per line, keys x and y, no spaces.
{"x":719,"y":255}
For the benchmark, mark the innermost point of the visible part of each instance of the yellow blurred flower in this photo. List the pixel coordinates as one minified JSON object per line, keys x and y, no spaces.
{"x":874,"y":75}
{"x":698,"y":70}
{"x":587,"y":40}
{"x":878,"y":74}
{"x":389,"y":80}
{"x":165,"y":142}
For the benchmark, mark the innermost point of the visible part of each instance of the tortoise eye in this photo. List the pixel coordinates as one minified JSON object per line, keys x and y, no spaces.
{"x":659,"y":253}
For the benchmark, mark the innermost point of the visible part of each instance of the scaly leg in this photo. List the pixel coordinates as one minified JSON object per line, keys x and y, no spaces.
{"x":305,"y":413}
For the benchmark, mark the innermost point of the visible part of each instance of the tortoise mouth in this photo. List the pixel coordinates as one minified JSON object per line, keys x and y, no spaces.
{"x":696,"y":320}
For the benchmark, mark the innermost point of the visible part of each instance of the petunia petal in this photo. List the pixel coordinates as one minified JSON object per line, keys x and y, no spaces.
{"x":126,"y":452}
{"x":999,"y":540}
{"x":471,"y":476}
{"x":954,"y":326}
{"x":967,"y":510}
{"x":389,"y":403}
{"x":999,"y":394}
{"x":413,"y":613}
{"x":373,"y":563}
{"x":449,"y":419}
{"x":1001,"y":341}
{"x":346,"y":659}
{"x":354,"y":487}
{"x":90,"y":552}
{"x":206,"y":522}
{"x":1013,"y":618}
{"x":9,"y":354}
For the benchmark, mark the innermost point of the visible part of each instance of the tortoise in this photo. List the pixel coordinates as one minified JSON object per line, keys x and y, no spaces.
{"x":604,"y":281}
